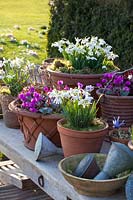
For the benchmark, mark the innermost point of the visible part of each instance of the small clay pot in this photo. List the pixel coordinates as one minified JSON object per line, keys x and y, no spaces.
{"x":10,"y":118}
{"x":115,"y":139}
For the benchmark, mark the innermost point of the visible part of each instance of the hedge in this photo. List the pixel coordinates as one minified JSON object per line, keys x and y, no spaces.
{"x":111,"y":20}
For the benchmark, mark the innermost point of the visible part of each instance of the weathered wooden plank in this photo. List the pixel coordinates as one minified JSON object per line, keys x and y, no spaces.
{"x":13,"y":193}
{"x":11,"y":144}
{"x":9,"y":174}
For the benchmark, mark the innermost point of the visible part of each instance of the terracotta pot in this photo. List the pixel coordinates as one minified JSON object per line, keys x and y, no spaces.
{"x":114,"y":106}
{"x":115,"y":139}
{"x":76,"y":142}
{"x":130,"y":145}
{"x":10,"y":118}
{"x":90,"y":187}
{"x":72,"y":79}
{"x":31,"y":124}
{"x":44,"y":75}
{"x":69,"y":79}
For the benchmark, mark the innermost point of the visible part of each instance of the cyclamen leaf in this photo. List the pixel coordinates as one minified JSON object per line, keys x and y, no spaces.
{"x":46,"y":110}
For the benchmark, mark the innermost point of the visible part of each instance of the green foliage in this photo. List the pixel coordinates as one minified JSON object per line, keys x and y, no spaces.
{"x":78,"y":116}
{"x":16,"y":74}
{"x":110,"y":20}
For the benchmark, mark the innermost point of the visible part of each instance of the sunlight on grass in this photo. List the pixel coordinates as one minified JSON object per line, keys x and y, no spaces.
{"x":26,"y":14}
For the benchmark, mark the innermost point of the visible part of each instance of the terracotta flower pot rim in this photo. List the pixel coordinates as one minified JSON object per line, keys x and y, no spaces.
{"x":17,"y":110}
{"x":61,"y":121}
{"x":91,"y":180}
{"x":73,"y":75}
{"x":99,"y":92}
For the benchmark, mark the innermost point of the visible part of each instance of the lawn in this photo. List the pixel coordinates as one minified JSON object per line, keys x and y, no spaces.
{"x":28,"y":38}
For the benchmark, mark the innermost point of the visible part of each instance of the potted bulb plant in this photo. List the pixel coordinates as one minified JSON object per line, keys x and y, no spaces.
{"x":36,"y":113}
{"x":15,"y":75}
{"x":80,"y":131}
{"x":117,"y":96}
{"x":118,"y":133}
{"x":83,"y":61}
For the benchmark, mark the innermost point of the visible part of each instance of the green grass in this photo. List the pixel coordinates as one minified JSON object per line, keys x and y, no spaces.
{"x":25,"y":14}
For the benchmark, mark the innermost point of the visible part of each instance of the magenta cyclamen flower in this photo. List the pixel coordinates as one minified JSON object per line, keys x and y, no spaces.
{"x":80,"y":85}
{"x":60,"y":82}
{"x":113,"y":84}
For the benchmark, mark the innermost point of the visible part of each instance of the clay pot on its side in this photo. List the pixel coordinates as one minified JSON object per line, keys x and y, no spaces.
{"x":121,"y":106}
{"x":10,"y":118}
{"x":77,"y":142}
{"x":31,"y":124}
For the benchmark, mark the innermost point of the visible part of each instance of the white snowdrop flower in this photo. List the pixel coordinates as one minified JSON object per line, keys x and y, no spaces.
{"x":9,"y":35}
{"x":101,"y":42}
{"x":98,"y":53}
{"x":89,"y":88}
{"x":77,"y":40}
{"x":24,"y":42}
{"x":1,"y":64}
{"x":31,"y":29}
{"x":93,"y":58}
{"x":10,"y":76}
{"x":17,"y":27}
{"x":104,"y":67}
{"x":32,"y":53}
{"x":89,"y":99}
{"x":112,"y":56}
{"x":130,"y":76}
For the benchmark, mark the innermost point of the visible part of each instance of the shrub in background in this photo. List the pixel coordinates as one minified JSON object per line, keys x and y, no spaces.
{"x":111,"y":20}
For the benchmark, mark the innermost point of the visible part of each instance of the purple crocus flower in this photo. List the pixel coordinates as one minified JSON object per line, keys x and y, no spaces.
{"x":116,"y":122}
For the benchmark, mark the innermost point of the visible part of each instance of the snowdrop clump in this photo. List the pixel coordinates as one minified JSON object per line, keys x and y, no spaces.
{"x":92,"y":52}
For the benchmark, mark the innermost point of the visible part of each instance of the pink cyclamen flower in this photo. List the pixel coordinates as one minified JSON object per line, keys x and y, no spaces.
{"x":66,"y":87}
{"x":80,"y":85}
{"x":46,"y":89}
{"x":60,"y":82}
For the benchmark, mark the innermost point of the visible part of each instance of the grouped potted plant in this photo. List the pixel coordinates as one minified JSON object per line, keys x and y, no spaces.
{"x":118,"y":133}
{"x":117,"y":99}
{"x":80,"y":131}
{"x":37,"y":113}
{"x":15,"y":75}
{"x":83,"y":61}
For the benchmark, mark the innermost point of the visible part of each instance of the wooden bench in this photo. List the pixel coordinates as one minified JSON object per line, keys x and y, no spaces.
{"x":44,"y":173}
